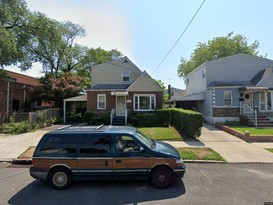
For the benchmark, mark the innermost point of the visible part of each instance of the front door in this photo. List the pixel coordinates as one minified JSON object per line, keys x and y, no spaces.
{"x":120,"y":105}
{"x":248,"y":103}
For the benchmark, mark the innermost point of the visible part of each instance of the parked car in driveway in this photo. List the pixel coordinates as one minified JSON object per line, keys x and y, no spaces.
{"x":104,"y":153}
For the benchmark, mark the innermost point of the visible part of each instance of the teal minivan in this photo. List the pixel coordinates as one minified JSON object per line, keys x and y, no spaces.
{"x":104,"y":153}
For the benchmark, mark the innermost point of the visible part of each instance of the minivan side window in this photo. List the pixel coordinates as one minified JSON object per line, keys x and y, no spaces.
{"x":60,"y":144}
{"x":125,"y":143}
{"x":92,"y":144}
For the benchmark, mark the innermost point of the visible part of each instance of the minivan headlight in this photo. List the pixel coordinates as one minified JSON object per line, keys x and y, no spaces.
{"x":179,"y":162}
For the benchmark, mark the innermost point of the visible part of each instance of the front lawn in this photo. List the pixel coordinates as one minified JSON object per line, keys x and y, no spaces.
{"x":269,"y":149}
{"x":254,"y":131}
{"x":161,"y":133}
{"x":197,"y":153}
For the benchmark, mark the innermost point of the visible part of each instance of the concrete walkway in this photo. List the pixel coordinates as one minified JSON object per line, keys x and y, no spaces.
{"x":12,"y":146}
{"x":231,"y":148}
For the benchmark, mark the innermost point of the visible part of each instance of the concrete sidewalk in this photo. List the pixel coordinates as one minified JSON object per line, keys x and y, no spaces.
{"x":12,"y":146}
{"x":233,"y":149}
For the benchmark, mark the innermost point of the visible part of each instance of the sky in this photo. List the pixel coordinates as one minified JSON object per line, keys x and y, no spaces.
{"x":145,"y":30}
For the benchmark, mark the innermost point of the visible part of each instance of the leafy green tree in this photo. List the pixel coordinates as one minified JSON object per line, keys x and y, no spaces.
{"x":52,"y":44}
{"x":13,"y":38}
{"x":216,"y":48}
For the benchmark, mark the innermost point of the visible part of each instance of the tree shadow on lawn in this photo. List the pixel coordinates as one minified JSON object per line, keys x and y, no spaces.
{"x":96,"y":192}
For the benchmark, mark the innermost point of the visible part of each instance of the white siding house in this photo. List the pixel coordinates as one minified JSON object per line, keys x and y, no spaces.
{"x":230,"y":87}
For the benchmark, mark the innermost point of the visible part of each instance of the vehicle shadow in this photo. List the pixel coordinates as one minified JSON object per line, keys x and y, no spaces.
{"x":96,"y":192}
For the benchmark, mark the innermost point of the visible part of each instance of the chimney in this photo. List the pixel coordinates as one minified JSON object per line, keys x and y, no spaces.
{"x":169,"y":92}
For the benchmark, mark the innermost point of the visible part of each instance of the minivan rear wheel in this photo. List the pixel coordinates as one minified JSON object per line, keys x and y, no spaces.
{"x":60,"y":178}
{"x":162,"y":177}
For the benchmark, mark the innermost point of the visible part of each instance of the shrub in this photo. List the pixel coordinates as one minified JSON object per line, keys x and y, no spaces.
{"x":97,"y":118}
{"x":187,"y":121}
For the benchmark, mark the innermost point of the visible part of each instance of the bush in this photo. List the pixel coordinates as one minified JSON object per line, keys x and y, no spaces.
{"x":187,"y":121}
{"x":16,"y":127}
{"x":97,"y":118}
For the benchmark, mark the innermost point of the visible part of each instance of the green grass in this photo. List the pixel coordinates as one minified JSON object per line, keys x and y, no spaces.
{"x":161,"y":133}
{"x":192,"y":153}
{"x":269,"y":149}
{"x":254,"y":131}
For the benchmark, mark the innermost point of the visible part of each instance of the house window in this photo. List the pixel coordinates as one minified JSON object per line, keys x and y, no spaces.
{"x":203,"y":73}
{"x":228,"y":98}
{"x":101,"y":101}
{"x":144,"y":102}
{"x":126,"y":76}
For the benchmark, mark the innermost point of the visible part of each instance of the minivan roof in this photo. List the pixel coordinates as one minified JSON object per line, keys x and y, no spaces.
{"x":96,"y":129}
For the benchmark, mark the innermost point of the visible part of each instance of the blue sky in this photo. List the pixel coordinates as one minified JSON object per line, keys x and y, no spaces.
{"x":145,"y":30}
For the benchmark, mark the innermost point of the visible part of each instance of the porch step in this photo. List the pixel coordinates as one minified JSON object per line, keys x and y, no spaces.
{"x":118,"y":121}
{"x":262,"y":121}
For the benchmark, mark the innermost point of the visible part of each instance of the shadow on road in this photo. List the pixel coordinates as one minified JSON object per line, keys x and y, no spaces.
{"x":96,"y":192}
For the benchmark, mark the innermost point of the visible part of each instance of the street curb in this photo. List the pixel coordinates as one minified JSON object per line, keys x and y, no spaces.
{"x":22,"y":161}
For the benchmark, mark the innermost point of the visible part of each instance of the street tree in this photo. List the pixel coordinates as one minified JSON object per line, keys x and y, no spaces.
{"x":216,"y":48}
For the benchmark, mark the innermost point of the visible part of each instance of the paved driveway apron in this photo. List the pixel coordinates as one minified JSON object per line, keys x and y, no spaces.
{"x":232,"y":148}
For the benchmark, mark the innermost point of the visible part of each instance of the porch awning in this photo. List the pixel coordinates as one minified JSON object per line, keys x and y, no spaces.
{"x":194,"y":97}
{"x":81,"y":98}
{"x":253,"y":89}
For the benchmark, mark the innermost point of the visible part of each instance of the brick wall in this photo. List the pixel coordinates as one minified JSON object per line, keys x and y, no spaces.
{"x":111,"y":100}
{"x":226,"y":112}
{"x":245,"y":136}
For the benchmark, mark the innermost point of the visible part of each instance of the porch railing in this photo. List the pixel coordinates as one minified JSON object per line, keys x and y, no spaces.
{"x":112,"y":115}
{"x":126,"y":116}
{"x":252,"y":113}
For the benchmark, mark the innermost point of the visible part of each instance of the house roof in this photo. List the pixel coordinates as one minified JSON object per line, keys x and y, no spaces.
{"x":193,"y":97}
{"x":81,"y":98}
{"x":21,"y":78}
{"x":109,"y":87}
{"x":230,"y":83}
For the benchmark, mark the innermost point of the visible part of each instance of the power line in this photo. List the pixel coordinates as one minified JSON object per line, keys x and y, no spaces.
{"x":180,"y":36}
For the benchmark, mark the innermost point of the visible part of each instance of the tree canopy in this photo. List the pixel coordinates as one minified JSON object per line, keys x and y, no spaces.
{"x":216,"y":48}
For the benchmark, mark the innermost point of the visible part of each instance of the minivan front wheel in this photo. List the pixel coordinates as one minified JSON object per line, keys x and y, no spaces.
{"x":162,"y":177}
{"x":60,"y":178}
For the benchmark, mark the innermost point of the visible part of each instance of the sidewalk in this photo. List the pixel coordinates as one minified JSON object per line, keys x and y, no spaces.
{"x":11,"y":146}
{"x":233,"y":149}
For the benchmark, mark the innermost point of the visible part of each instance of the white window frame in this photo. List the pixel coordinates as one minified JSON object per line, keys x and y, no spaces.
{"x":98,"y":101}
{"x":228,"y":91}
{"x":125,"y":74}
{"x":266,"y":108}
{"x":144,"y":95}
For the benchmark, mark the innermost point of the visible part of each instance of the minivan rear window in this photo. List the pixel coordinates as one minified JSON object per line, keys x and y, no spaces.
{"x":60,"y":144}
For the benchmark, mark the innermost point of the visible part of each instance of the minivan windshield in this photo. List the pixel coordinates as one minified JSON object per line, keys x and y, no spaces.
{"x":144,"y":139}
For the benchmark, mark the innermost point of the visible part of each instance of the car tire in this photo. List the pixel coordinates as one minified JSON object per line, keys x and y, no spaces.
{"x":162,"y":177}
{"x":60,"y":178}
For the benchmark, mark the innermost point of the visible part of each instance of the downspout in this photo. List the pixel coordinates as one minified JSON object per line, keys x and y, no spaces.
{"x":8,"y":97}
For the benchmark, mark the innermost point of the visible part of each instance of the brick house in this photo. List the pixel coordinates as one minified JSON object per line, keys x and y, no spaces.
{"x":121,"y":87}
{"x":15,"y":93}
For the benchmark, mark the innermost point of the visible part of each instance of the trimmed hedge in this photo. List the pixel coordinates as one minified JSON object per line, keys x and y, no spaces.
{"x":185,"y":120}
{"x":97,"y":118}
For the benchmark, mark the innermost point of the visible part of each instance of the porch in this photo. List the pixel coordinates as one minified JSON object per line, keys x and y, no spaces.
{"x":256,"y":106}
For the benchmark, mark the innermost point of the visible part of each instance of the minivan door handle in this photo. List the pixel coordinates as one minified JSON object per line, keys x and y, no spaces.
{"x":118,"y":161}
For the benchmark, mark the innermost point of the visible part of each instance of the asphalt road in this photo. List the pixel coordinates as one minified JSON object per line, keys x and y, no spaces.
{"x":204,"y":183}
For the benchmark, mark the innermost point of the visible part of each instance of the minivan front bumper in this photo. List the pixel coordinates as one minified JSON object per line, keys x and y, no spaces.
{"x":179,"y":171}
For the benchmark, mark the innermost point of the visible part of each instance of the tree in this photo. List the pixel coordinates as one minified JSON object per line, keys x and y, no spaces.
{"x":216,"y":48}
{"x":52,"y":44}
{"x":13,"y":38}
{"x":55,"y":89}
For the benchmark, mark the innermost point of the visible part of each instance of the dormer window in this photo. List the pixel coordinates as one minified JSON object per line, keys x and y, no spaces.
{"x":126,"y":76}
